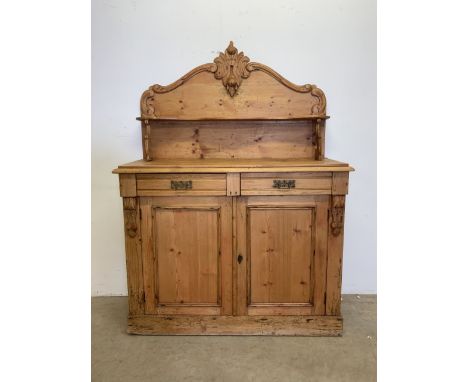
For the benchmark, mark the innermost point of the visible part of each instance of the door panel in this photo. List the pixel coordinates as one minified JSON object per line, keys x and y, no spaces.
{"x":187,"y":255}
{"x":283,"y":240}
{"x":186,"y":248}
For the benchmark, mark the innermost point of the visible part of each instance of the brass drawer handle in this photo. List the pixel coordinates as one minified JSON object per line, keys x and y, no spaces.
{"x":284,"y":183}
{"x":181,"y":184}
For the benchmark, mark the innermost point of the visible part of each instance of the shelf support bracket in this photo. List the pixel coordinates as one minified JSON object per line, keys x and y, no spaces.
{"x":319,"y":140}
{"x":146,"y":139}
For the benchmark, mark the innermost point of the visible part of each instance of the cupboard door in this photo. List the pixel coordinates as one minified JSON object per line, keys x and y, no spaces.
{"x":187,"y":255}
{"x":281,"y":255}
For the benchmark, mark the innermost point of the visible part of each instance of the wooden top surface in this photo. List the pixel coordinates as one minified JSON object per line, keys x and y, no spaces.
{"x":266,"y":118}
{"x":231,"y":165}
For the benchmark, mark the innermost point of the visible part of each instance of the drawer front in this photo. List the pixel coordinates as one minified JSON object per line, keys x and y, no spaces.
{"x":293,"y":183}
{"x":181,"y":184}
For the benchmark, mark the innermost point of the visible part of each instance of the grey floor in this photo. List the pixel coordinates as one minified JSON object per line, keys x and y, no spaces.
{"x":118,"y":356}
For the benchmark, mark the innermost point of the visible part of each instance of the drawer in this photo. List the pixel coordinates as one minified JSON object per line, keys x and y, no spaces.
{"x":293,"y":183}
{"x":181,"y":184}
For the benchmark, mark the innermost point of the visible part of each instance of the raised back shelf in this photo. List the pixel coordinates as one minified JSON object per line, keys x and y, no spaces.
{"x":233,"y":109}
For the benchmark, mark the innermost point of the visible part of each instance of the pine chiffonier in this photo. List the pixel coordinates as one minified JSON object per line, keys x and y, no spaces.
{"x":234,"y":217}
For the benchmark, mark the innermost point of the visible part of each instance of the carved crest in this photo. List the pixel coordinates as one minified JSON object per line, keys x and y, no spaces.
{"x":231,"y":68}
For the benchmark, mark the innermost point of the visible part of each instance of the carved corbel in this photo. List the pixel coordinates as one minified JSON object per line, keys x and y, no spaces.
{"x":337,"y":214}
{"x":130,"y":216}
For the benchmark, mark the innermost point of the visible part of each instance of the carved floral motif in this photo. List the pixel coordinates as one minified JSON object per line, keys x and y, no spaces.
{"x":231,"y":68}
{"x":337,"y":214}
{"x":130,"y":216}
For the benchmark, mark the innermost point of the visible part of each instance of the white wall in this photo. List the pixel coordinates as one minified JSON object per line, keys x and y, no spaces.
{"x":331,"y":43}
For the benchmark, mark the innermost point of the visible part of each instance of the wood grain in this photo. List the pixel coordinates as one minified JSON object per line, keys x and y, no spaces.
{"x":232,"y":139}
{"x":232,"y":88}
{"x":335,"y":262}
{"x":319,"y":269}
{"x":304,"y":183}
{"x":281,"y":241}
{"x":136,"y":293}
{"x":241,"y":257}
{"x":320,"y":139}
{"x":233,"y":184}
{"x":201,"y":184}
{"x":187,"y":247}
{"x":127,"y":185}
{"x":279,"y":252}
{"x":261,"y":96}
{"x":277,"y":309}
{"x":340,"y":183}
{"x":237,"y":325}
{"x":231,"y":165}
{"x":148,"y":255}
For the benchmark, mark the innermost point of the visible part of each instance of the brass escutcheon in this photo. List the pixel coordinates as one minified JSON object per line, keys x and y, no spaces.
{"x":181,"y":184}
{"x":284,"y":183}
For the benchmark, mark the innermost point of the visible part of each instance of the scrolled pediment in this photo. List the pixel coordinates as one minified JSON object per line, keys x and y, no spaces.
{"x":200,"y":88}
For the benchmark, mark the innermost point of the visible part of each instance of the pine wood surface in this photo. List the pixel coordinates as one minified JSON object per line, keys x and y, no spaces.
{"x":285,"y":249}
{"x":335,"y":258}
{"x":162,"y":184}
{"x":281,"y":241}
{"x":240,"y":118}
{"x":237,"y":325}
{"x":232,"y":139}
{"x":135,"y":284}
{"x":304,"y":183}
{"x":187,"y":246}
{"x":261,"y":96}
{"x":251,"y":90}
{"x":231,"y":165}
{"x":233,"y":184}
{"x":187,"y":254}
